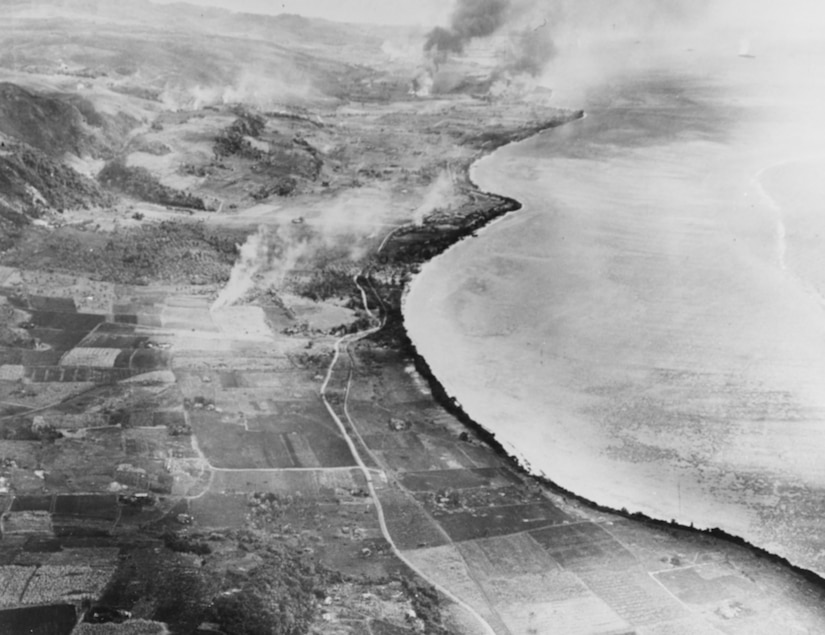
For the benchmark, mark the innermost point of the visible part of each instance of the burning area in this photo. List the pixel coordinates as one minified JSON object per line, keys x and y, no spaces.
{"x":516,"y":39}
{"x":500,"y":48}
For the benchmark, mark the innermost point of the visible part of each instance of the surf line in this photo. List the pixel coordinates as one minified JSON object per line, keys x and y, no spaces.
{"x":781,"y":230}
{"x":759,"y":187}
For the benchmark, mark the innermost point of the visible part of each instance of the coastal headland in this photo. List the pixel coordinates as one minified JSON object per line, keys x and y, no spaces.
{"x":211,"y":417}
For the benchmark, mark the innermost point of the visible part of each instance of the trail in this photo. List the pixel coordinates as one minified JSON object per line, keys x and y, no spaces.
{"x":341,"y":346}
{"x":381,"y":247}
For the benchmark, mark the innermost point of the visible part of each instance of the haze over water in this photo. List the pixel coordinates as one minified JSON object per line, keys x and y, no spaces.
{"x":649,"y":332}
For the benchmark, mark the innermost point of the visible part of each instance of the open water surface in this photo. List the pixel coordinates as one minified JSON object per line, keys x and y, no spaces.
{"x":649,"y":332}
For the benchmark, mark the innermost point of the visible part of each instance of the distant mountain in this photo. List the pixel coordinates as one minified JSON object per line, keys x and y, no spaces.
{"x":287,"y":30}
{"x":181,"y":46}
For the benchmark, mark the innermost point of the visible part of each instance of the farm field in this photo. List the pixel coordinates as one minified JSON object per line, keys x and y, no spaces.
{"x":13,"y":582}
{"x":636,"y":596}
{"x":66,"y":583}
{"x":58,"y":619}
{"x":410,"y":527}
{"x":583,"y":546}
{"x":512,"y":555}
{"x":498,"y":521}
{"x":309,"y":482}
{"x":434,"y":480}
{"x":445,"y":566}
{"x":298,"y":435}
{"x":170,"y":414}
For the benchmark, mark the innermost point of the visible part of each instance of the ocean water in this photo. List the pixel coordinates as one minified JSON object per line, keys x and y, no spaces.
{"x":649,"y":331}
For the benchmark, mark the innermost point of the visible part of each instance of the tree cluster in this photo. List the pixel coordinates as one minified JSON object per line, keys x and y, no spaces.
{"x":325,"y":284}
{"x":232,"y":139}
{"x":426,"y":604}
{"x":276,"y":598}
{"x":182,"y":543}
{"x":142,"y":184}
{"x":167,"y":251}
{"x":282,"y":186}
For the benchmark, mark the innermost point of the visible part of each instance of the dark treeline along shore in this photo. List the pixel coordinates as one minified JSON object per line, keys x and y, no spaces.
{"x":213,"y":420}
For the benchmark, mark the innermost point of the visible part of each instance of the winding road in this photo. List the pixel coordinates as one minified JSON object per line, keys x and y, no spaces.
{"x":341,"y":346}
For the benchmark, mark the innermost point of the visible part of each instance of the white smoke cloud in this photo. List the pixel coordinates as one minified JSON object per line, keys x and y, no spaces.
{"x":354,"y":210}
{"x":528,"y":37}
{"x":442,"y":194}
{"x":254,"y":254}
{"x":422,"y":85}
{"x":341,"y":232}
{"x":269,"y":255}
{"x":265,"y":259}
{"x":256,"y":89}
{"x":288,"y":250}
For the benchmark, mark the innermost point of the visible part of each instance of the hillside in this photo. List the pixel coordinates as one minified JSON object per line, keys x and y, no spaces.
{"x":37,"y":131}
{"x":185,"y":199}
{"x":58,"y":123}
{"x":211,"y":417}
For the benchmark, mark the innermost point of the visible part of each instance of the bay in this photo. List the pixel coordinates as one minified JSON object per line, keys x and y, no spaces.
{"x":649,"y":331}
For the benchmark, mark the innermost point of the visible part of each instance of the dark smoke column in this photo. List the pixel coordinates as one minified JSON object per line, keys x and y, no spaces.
{"x":471,"y":19}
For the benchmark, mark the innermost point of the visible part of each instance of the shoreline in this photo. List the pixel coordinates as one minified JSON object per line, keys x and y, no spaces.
{"x":505,"y":207}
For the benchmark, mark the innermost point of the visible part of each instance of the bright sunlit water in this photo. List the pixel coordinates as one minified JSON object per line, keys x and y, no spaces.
{"x":649,"y":332}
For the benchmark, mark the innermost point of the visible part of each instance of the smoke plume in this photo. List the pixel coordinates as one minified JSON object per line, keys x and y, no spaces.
{"x":254,"y":254}
{"x":265,"y":260}
{"x":535,"y":34}
{"x":471,"y":19}
{"x":441,"y":195}
{"x":289,"y":249}
{"x":530,"y":41}
{"x":260,"y":89}
{"x":533,"y":49}
{"x":336,"y":233}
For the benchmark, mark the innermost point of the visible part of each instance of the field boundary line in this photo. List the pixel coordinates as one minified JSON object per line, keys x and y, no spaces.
{"x":279,"y":470}
{"x":26,"y":586}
